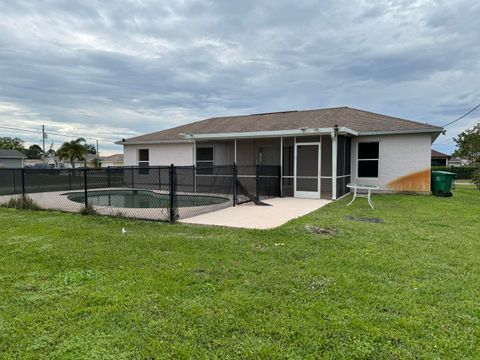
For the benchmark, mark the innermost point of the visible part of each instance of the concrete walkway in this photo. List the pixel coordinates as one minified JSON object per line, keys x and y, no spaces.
{"x":251,"y":216}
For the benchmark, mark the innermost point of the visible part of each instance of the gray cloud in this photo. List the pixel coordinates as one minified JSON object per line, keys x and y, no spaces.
{"x":114,"y":69}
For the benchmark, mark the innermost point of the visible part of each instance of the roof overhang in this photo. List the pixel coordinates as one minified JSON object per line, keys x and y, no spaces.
{"x":190,"y":137}
{"x":270,"y":133}
{"x":153,"y":142}
{"x":393,"y":132}
{"x":435,"y":132}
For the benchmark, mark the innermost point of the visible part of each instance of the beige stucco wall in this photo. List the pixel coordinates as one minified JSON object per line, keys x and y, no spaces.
{"x":160,"y":154}
{"x":404,"y":163}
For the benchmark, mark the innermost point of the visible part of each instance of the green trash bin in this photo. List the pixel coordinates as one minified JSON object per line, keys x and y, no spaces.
{"x":442,"y":183}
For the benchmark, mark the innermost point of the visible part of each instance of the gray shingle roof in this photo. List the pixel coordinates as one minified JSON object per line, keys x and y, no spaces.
{"x":354,"y":119}
{"x":9,"y":153}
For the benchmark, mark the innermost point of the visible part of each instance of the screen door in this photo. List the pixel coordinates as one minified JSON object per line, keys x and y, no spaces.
{"x":307,"y":165}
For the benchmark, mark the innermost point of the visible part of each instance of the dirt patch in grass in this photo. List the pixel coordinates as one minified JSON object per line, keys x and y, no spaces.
{"x":324,"y":231}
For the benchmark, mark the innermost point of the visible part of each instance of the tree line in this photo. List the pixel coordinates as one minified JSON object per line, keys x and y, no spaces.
{"x":468,"y":145}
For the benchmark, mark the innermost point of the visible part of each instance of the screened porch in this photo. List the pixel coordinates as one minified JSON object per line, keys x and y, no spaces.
{"x":312,"y":166}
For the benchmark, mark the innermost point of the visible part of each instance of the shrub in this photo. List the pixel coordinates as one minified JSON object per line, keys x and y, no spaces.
{"x":21,"y":203}
{"x":462,"y":172}
{"x":88,"y":210}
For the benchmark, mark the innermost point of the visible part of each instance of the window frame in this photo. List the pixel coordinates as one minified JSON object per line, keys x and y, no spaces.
{"x":372,"y":159}
{"x":143,"y":164}
{"x":205,"y":171}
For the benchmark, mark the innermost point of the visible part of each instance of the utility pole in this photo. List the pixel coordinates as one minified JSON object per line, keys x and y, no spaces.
{"x":43,"y":141}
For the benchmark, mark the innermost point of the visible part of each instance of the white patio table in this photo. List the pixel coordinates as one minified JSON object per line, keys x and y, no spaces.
{"x":368,"y":195}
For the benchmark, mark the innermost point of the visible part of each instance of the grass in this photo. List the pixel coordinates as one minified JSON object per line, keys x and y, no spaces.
{"x":74,"y":287}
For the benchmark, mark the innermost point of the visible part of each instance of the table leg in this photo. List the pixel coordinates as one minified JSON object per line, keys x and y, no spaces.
{"x":354,"y":196}
{"x":370,"y":200}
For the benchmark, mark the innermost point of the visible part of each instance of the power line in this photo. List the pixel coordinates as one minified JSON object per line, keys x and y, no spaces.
{"x":21,"y":130}
{"x":461,"y":117}
{"x":52,"y":133}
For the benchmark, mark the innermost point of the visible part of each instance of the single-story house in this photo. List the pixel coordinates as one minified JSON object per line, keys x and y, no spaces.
{"x":33,"y":163}
{"x":456,"y":161}
{"x":439,"y":158}
{"x":11,"y":158}
{"x":55,"y":162}
{"x":112,"y":160}
{"x":319,"y":151}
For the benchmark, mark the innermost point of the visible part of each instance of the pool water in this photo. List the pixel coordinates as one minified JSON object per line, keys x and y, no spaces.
{"x":143,"y":199}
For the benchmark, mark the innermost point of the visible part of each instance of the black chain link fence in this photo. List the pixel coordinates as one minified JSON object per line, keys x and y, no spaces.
{"x":165,"y":193}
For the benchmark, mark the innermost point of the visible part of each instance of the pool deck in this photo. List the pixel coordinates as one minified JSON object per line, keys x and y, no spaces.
{"x":248,"y":216}
{"x":251,"y":216}
{"x":57,"y":200}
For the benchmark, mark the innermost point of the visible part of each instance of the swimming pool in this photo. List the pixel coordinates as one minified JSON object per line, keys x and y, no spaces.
{"x":142,"y":199}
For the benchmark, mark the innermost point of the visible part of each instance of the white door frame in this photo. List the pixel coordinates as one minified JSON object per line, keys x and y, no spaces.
{"x":306,"y":194}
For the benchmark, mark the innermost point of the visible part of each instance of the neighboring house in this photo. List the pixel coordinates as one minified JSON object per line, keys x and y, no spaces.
{"x":319,"y":151}
{"x":440,"y":159}
{"x":11,"y":158}
{"x":55,"y":162}
{"x":32,"y":163}
{"x":456,"y":161}
{"x":112,"y":160}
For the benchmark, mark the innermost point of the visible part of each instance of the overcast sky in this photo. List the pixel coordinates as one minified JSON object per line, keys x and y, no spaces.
{"x":111,"y":70}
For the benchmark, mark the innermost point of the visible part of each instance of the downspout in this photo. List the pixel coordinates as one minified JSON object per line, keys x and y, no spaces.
{"x":194,"y":154}
{"x":333,"y":134}
{"x":235,"y":151}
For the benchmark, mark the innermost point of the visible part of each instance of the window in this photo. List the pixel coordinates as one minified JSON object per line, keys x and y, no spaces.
{"x":368,"y":154}
{"x":143,"y":161}
{"x":205,"y":161}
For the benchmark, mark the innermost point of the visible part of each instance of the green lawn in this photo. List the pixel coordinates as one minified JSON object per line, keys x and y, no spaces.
{"x":73,"y":287}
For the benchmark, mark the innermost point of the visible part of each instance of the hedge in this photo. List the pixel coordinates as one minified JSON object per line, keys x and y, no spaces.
{"x":462,"y":172}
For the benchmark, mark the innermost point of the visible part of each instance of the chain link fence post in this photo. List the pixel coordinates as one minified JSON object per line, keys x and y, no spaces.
{"x":109,"y":181}
{"x":257,"y":183}
{"x":23,"y":188}
{"x":194,"y":178}
{"x":85,"y":186}
{"x":159,"y":178}
{"x":172,"y":179}
{"x":279,"y":181}
{"x":234,"y":180}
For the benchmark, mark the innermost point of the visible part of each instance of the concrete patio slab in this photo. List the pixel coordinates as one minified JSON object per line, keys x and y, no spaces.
{"x":251,"y":216}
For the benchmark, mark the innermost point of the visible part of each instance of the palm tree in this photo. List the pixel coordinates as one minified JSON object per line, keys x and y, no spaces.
{"x":73,"y":150}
